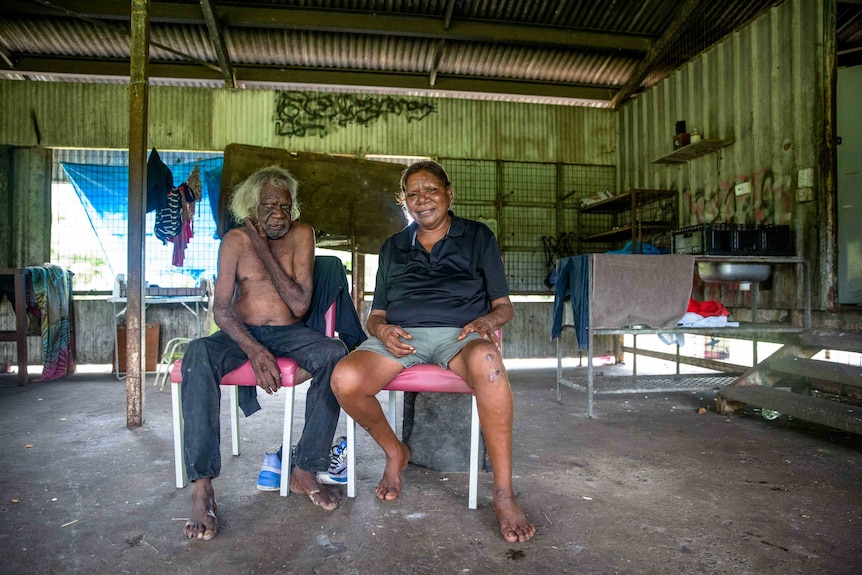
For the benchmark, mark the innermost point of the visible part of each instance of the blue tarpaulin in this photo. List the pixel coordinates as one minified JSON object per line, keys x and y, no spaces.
{"x":104,"y":193}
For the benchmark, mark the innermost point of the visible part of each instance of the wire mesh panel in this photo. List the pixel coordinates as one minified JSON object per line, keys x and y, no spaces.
{"x":531,"y":206}
{"x":529,"y":182}
{"x":479,"y":212}
{"x":472,"y":180}
{"x":526,"y":272}
{"x":523,"y":228}
{"x":581,"y":181}
{"x":525,"y":203}
{"x":528,"y":213}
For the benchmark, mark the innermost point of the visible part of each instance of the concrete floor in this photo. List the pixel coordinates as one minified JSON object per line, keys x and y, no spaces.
{"x":648,"y":486}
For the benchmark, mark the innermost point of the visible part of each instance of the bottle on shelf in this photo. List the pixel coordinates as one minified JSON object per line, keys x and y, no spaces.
{"x":682,"y":138}
{"x":694,"y":136}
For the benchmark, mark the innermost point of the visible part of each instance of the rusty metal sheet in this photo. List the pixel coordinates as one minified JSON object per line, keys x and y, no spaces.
{"x":337,"y":195}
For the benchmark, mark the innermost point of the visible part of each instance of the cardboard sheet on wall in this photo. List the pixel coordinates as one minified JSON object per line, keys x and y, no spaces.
{"x":337,"y":195}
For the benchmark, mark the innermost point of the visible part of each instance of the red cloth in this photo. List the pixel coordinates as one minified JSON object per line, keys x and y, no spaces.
{"x":180,"y":242}
{"x":707,"y":308}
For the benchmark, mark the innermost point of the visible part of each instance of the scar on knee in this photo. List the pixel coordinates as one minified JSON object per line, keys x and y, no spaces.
{"x":489,"y":357}
{"x":495,"y":374}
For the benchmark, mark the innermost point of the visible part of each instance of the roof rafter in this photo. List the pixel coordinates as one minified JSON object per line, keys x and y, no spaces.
{"x":313,"y":77}
{"x":441,"y":44}
{"x":655,"y":51}
{"x":217,"y":38}
{"x":355,"y":22}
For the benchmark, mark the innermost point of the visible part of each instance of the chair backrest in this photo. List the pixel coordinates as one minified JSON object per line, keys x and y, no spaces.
{"x":329,"y":320}
{"x":209,"y":326}
{"x":119,"y":285}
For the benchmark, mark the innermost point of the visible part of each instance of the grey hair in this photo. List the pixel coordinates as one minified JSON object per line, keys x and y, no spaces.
{"x":246,"y":196}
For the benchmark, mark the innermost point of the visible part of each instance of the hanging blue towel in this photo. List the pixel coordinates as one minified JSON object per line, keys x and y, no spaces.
{"x":572,"y":284}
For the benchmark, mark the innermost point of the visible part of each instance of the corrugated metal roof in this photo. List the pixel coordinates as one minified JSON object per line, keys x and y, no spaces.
{"x":579,"y":52}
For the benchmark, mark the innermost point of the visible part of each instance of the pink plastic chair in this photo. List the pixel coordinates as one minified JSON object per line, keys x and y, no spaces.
{"x":244,"y":375}
{"x":424,"y":378}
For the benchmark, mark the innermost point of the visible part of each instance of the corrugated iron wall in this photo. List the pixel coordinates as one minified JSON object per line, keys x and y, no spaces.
{"x":97,"y":116}
{"x":763,"y":88}
{"x":573,"y":148}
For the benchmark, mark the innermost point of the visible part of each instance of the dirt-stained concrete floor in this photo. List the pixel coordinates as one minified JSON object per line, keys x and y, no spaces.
{"x":648,"y":486}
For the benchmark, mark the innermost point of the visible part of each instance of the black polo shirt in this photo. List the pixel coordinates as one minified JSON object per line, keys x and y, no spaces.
{"x":449,"y":287}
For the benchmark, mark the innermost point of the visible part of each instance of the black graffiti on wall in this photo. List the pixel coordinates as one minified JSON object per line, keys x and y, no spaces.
{"x":308,"y":114}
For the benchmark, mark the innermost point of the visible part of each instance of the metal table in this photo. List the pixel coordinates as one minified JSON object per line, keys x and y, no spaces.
{"x":189,"y":298}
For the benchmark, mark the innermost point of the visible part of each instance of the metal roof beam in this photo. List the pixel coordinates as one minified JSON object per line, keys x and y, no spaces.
{"x":344,"y":22}
{"x":6,"y":58}
{"x":331,"y":77}
{"x":655,"y":52}
{"x":441,"y":44}
{"x":419,"y":27}
{"x":217,"y":39}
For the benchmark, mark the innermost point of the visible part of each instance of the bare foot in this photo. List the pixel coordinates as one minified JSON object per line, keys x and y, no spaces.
{"x":305,"y":483}
{"x":390,"y":486}
{"x":203,"y":523}
{"x":514,"y":525}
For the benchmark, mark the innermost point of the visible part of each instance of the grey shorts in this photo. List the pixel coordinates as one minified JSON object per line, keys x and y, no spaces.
{"x":432,"y":344}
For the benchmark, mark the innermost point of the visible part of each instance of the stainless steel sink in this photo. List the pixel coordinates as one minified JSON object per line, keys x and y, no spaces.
{"x":733,"y":272}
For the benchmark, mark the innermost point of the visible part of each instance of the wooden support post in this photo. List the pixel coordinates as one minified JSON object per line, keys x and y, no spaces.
{"x":138,"y":107}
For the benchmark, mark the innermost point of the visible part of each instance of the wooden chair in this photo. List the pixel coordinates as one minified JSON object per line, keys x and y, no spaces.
{"x":291,"y":376}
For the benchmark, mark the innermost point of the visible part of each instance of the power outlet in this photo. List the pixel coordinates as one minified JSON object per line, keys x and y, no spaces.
{"x":805,"y":178}
{"x":742,"y":189}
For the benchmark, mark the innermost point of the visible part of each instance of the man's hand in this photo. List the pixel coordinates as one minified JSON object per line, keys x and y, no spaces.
{"x":483,"y":328}
{"x":391,"y":336}
{"x":266,"y":371}
{"x":259,"y":240}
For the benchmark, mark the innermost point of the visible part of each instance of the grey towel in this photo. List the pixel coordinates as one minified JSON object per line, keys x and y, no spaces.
{"x":651,"y":290}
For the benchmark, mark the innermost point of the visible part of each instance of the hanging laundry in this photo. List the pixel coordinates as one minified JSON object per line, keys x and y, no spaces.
{"x":48,"y":295}
{"x":189,"y":193}
{"x":169,"y":219}
{"x":160,"y":181}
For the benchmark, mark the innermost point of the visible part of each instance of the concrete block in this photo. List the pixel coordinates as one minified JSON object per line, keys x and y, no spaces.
{"x":437,"y":430}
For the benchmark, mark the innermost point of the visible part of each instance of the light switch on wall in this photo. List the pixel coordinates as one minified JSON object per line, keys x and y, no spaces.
{"x":805,"y":178}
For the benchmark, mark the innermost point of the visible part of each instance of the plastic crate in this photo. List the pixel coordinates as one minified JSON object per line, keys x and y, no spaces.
{"x":747,"y":240}
{"x":775,"y":241}
{"x":733,"y":240}
{"x":704,"y":239}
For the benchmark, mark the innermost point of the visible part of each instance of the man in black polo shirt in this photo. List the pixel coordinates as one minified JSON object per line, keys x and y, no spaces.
{"x":441,"y":294}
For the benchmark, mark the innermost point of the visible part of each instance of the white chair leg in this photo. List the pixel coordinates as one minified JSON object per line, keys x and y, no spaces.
{"x":351,"y":457}
{"x":158,"y":376}
{"x":287,"y":441}
{"x":177,"y":417}
{"x":474,"y":455}
{"x":393,"y":404}
{"x":233,"y":392}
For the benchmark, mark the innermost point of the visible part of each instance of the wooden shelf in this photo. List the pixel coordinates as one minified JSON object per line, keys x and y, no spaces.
{"x":633,"y":228}
{"x":625,"y":232}
{"x":623,"y":202}
{"x":692,"y":151}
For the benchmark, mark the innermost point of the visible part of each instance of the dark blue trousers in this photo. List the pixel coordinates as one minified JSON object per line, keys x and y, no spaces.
{"x":207,"y":359}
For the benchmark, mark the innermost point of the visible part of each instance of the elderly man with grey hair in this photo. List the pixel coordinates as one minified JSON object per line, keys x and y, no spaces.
{"x":262,"y":292}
